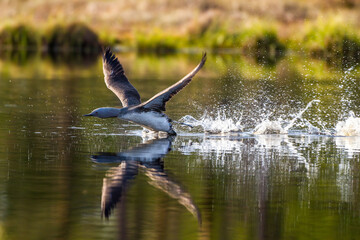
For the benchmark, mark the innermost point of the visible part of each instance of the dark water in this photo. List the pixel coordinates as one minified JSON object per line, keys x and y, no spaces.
{"x":58,"y":170}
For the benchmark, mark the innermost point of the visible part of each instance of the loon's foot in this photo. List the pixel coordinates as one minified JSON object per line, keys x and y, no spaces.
{"x":171,"y":132}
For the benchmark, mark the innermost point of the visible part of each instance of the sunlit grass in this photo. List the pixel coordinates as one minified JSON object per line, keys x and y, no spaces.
{"x":159,"y":42}
{"x":252,"y":35}
{"x":256,"y":39}
{"x":333,"y":39}
{"x":218,"y":35}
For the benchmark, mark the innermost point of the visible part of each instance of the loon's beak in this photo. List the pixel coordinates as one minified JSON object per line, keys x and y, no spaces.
{"x":87,"y":115}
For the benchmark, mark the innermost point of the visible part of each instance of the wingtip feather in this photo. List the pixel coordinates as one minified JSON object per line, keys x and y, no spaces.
{"x":203,"y":60}
{"x":108,"y":55}
{"x":204,"y":56}
{"x":111,"y":62}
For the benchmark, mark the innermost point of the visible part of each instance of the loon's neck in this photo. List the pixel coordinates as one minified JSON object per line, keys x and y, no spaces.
{"x":110,"y":112}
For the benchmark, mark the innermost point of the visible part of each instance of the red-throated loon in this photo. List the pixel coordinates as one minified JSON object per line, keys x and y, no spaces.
{"x":148,"y":114}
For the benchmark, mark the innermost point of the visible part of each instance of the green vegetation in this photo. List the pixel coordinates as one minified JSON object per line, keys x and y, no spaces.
{"x":74,"y":37}
{"x":216,"y":36}
{"x":20,"y":37}
{"x":158,"y":42}
{"x":255,"y":40}
{"x":333,"y":40}
{"x":263,"y":42}
{"x":264,"y":30}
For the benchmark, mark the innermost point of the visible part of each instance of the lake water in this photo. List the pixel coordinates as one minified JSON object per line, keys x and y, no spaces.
{"x":273,"y":153}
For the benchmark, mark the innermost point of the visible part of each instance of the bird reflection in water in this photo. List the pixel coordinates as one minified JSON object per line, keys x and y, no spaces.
{"x":146,"y":158}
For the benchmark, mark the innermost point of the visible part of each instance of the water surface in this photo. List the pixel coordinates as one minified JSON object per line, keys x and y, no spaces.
{"x":64,"y":176}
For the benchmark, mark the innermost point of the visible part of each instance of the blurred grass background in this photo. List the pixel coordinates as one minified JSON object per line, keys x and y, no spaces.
{"x":266,"y":29}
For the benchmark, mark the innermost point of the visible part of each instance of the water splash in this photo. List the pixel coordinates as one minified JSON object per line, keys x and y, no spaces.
{"x":299,"y":115}
{"x":269,"y":127}
{"x":219,"y":124}
{"x":348,"y":89}
{"x":222,"y":124}
{"x":275,"y":127}
{"x":349,"y":127}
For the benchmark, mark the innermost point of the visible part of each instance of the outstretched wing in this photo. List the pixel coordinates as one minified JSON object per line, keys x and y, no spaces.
{"x":117,"y":82}
{"x":158,"y":102}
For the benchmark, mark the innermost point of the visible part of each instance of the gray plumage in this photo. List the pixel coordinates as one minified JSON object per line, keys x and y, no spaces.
{"x":158,"y":101}
{"x":148,"y":114}
{"x":117,"y":82}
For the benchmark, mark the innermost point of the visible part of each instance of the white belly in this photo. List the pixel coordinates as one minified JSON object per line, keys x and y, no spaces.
{"x":151,"y":120}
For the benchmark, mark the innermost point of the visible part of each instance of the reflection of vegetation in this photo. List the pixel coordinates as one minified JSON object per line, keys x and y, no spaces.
{"x":19,"y":57}
{"x":44,"y":66}
{"x":74,"y":59}
{"x":160,"y":67}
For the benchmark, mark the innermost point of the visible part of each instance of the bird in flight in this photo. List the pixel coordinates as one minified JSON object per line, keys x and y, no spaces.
{"x":149,"y":114}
